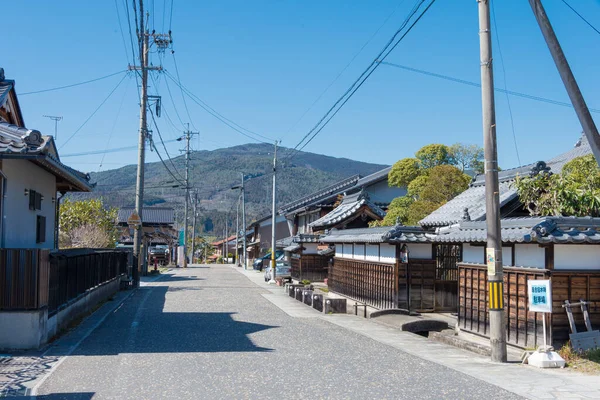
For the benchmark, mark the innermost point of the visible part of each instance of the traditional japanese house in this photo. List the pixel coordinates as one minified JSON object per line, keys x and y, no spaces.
{"x":262,"y":235}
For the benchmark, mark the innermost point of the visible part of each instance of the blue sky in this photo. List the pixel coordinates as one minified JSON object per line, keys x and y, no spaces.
{"x":263,"y":63}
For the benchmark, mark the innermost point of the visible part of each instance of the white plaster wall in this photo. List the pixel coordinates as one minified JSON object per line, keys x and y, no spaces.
{"x":473,"y":254}
{"x":310,"y":248}
{"x":419,"y":250}
{"x":372,"y":251}
{"x":529,"y":255}
{"x":577,"y":256}
{"x":339,"y":250}
{"x":507,"y":256}
{"x":388,"y":253}
{"x":347,"y":250}
{"x":19,"y":220}
{"x":359,"y":251}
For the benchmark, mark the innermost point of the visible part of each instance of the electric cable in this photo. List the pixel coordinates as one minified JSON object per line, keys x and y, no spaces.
{"x":582,"y":17}
{"x":74,"y":84}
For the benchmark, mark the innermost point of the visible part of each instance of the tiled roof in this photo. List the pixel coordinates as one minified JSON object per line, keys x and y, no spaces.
{"x":292,"y":248}
{"x":307,"y":238}
{"x":360,"y":235}
{"x":326,"y":252}
{"x":334,"y":189}
{"x":352,"y":206}
{"x":5,"y":87}
{"x":373,"y":178}
{"x":281,"y":243}
{"x":150,"y":215}
{"x":525,"y":230}
{"x":19,"y":142}
{"x":473,"y":199}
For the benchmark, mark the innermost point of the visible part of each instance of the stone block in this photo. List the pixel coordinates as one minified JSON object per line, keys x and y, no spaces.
{"x":292,"y":290}
{"x":307,"y":297}
{"x":317,"y":302}
{"x":299,"y":293}
{"x":335,"y":306}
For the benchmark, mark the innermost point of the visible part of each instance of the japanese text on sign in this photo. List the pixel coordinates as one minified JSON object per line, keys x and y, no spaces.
{"x":540,"y":297}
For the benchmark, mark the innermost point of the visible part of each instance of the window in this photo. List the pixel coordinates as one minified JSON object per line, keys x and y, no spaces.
{"x":35,"y":200}
{"x":40,"y":230}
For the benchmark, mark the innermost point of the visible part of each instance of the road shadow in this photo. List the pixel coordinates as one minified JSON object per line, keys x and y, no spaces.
{"x":157,"y":331}
{"x":176,"y":278}
{"x":64,"y":396}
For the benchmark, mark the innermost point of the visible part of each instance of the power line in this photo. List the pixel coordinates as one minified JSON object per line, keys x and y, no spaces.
{"x":74,"y":84}
{"x":112,"y":130}
{"x":163,"y":162}
{"x":233,"y":125}
{"x":182,"y":95}
{"x":388,"y":48}
{"x":173,"y":102}
{"x":95,"y":111}
{"x":163,"y":144}
{"x":582,"y":17}
{"x":113,"y":150}
{"x":512,"y":122}
{"x":475,"y":84}
{"x":121,"y":29}
{"x":345,"y":68}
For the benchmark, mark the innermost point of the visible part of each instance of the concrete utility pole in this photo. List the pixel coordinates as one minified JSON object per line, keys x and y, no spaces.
{"x":188,"y":135}
{"x":226,"y":244}
{"x":244,"y":223}
{"x":492,"y":190}
{"x":139,"y":183}
{"x":581,"y":108}
{"x":273,"y":219}
{"x":237,"y":233}
{"x":194,"y":225}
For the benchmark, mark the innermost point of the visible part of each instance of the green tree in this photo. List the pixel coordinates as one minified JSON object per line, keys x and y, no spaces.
{"x":419,"y":210}
{"x":81,"y":220}
{"x":443,"y":183}
{"x":573,"y":192}
{"x":416,"y":186}
{"x":403,"y":172}
{"x":466,"y":156}
{"x":433,"y":155}
{"x":397,"y":211}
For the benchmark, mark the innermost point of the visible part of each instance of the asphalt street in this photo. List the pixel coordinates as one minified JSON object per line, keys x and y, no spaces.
{"x":207,"y":332}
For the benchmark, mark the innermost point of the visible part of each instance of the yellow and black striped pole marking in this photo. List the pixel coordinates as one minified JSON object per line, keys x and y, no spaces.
{"x":496,"y":290}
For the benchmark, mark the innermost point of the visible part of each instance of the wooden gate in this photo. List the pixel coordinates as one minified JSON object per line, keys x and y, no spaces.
{"x":447,"y":257}
{"x":416,"y":285}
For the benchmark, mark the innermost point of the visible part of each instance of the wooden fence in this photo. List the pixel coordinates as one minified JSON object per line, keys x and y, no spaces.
{"x":32,"y":279}
{"x":74,"y":271}
{"x":23,"y":279}
{"x":372,"y":283}
{"x":313,"y":267}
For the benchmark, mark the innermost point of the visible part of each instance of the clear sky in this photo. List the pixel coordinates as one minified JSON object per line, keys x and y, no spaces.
{"x":262,"y":63}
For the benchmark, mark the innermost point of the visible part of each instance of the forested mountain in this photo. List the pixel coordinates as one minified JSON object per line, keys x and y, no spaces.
{"x":213,"y":173}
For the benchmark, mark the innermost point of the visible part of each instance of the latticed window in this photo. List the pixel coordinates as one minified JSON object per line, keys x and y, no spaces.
{"x":447,"y":257}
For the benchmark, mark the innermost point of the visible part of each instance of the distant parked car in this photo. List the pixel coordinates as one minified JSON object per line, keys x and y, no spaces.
{"x":160,"y":253}
{"x":282,"y":270}
{"x":258,"y":263}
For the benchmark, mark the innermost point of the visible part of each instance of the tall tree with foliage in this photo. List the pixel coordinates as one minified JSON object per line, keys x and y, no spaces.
{"x":87,"y":223}
{"x":467,"y":156}
{"x":573,"y":192}
{"x":431,"y":179}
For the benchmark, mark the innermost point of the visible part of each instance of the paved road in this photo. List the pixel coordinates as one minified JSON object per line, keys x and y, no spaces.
{"x":208,"y":333}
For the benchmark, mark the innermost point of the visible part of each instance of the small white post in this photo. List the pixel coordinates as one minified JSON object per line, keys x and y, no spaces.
{"x":544,"y":327}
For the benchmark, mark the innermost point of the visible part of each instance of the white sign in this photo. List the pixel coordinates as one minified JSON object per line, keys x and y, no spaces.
{"x":539,"y":293}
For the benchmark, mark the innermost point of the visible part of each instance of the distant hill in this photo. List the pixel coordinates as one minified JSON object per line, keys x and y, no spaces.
{"x":213,"y":173}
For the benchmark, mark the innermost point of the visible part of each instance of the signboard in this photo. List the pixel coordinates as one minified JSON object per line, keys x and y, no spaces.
{"x":539,"y":294}
{"x":181,"y":239}
{"x":490,"y":258}
{"x":134,"y":220}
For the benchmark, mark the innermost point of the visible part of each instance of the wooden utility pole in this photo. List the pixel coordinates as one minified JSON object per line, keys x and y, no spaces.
{"x":492,"y":189}
{"x":581,"y":108}
{"x":139,"y":183}
{"x":273,"y":219}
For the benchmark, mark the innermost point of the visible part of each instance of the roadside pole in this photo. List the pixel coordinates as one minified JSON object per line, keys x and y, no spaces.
{"x":226,"y":244}
{"x":581,"y":108}
{"x":194,"y":226}
{"x":139,"y":183}
{"x":273,"y":219}
{"x":188,"y":135}
{"x":244,"y":223}
{"x":237,"y":234}
{"x":492,"y":190}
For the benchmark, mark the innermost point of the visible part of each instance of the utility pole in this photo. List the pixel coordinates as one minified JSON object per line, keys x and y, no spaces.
{"x":161,"y":44}
{"x":273,"y":219}
{"x":492,"y":197}
{"x":581,"y":109}
{"x":188,"y":135}
{"x":226,"y":244}
{"x":244,"y":223}
{"x":237,"y":233}
{"x":194,"y":225}
{"x":139,"y":183}
{"x":55,"y":119}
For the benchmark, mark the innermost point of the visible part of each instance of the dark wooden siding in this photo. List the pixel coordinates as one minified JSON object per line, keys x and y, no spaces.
{"x":23,"y":279}
{"x":364,"y":281}
{"x":313,"y":267}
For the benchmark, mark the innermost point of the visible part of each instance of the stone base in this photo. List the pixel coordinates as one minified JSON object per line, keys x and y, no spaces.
{"x":299,"y":291}
{"x":307,"y":297}
{"x":335,"y":306}
{"x":549,"y":359}
{"x":317,"y":302}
